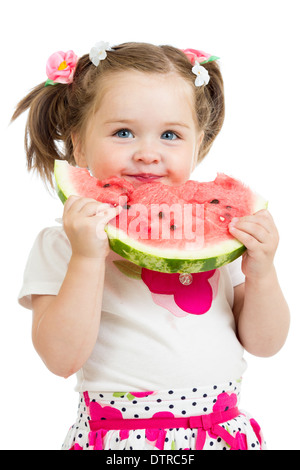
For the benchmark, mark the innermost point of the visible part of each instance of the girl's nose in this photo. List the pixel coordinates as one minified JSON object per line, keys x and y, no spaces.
{"x":147,"y":154}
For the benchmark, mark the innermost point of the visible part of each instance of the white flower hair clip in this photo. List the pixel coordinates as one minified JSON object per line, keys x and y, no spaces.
{"x":98,"y":52}
{"x":197,"y":58}
{"x":202,"y":77}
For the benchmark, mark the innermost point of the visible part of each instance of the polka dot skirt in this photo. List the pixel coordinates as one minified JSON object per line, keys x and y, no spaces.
{"x":243,"y":431}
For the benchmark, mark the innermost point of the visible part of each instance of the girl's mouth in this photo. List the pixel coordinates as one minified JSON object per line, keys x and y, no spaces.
{"x":145,"y":177}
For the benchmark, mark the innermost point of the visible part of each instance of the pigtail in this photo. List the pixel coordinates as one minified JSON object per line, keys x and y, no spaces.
{"x":46,"y":128}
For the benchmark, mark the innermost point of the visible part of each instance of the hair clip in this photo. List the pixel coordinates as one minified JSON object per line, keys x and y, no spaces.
{"x":202,"y":75}
{"x":98,"y":52}
{"x":60,"y":67}
{"x":197,"y":59}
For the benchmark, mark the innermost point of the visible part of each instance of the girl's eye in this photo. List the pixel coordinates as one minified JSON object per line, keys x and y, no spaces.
{"x":124,"y":133}
{"x":169,"y":135}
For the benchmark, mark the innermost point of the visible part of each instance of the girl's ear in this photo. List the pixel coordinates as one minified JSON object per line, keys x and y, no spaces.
{"x":78,"y":151}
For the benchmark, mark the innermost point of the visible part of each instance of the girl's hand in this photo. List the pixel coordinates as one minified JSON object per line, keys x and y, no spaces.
{"x":84,"y":221}
{"x":260,"y":236}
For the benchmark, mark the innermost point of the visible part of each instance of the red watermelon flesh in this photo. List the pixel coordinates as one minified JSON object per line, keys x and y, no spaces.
{"x":220,"y":201}
{"x":108,"y":190}
{"x":168,"y":228}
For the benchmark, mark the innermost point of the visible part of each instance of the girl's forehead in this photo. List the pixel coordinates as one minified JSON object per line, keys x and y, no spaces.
{"x":123,"y":85}
{"x":126,"y":77}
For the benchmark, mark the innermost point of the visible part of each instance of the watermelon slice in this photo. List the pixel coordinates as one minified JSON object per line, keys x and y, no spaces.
{"x":172,"y":229}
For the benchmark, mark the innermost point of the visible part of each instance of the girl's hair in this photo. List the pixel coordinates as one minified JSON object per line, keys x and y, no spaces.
{"x":57,"y":112}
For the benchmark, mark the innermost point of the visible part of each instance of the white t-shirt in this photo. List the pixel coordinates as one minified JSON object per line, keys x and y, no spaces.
{"x":147,"y":340}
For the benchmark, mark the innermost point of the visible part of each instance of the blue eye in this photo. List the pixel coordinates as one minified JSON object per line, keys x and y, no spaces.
{"x":124,"y":134}
{"x":169,"y":135}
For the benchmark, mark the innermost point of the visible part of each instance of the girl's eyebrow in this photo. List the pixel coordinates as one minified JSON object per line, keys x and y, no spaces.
{"x":120,"y":121}
{"x":174,"y":124}
{"x":131,"y":121}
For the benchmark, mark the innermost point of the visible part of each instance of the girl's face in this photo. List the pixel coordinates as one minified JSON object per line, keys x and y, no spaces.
{"x":144,"y":130}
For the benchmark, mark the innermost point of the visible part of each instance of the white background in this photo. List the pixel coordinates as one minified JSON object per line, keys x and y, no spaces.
{"x":258,"y":42}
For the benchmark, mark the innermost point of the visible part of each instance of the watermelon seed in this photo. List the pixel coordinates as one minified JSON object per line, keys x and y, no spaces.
{"x":215,"y":201}
{"x":160,"y":215}
{"x":106,"y":185}
{"x":228,"y":207}
{"x":127,"y":206}
{"x":173,"y":227}
{"x":222,"y":218}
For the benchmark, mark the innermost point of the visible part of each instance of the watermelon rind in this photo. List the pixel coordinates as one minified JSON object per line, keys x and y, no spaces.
{"x":155,"y":258}
{"x":63,"y":183}
{"x":172,"y":261}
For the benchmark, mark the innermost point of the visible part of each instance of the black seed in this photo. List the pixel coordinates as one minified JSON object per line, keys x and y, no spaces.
{"x":173,"y":227}
{"x":160,"y":215}
{"x":106,"y":185}
{"x":228,"y":207}
{"x":127,"y":206}
{"x":215,"y":201}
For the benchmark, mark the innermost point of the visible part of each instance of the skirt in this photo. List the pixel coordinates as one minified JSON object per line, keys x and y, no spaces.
{"x":197,"y":418}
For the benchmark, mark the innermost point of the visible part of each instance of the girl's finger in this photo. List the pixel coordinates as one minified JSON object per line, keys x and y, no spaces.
{"x":92,"y":208}
{"x":69,"y":202}
{"x":109,"y":213}
{"x":262,"y":217}
{"x":250,"y":242}
{"x":259,"y":232}
{"x":77,"y":204}
{"x":103,"y":220}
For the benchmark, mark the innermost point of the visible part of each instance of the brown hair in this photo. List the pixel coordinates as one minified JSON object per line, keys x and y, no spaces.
{"x":57,"y":112}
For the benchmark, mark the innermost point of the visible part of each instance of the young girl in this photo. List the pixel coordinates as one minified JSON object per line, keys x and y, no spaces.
{"x":150,"y":375}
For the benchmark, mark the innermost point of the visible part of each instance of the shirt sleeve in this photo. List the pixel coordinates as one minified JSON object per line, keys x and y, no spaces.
{"x":46,"y":266}
{"x":235,"y":272}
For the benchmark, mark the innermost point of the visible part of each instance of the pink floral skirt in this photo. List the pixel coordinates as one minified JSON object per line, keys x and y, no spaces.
{"x":197,"y":418}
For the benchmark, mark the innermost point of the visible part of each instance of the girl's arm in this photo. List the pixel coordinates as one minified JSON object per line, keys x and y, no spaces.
{"x":260,"y":309}
{"x":65,"y":327}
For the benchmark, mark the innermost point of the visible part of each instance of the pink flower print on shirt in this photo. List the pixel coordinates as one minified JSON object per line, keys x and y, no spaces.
{"x":256,"y":428}
{"x":158,"y":435}
{"x":240,"y":441}
{"x":76,"y":447}
{"x":180,"y":299}
{"x":124,"y":434}
{"x":225,"y":401}
{"x":98,"y":412}
{"x":141,"y":394}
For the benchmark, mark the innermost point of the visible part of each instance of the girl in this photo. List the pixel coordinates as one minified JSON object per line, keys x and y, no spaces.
{"x":149,"y":375}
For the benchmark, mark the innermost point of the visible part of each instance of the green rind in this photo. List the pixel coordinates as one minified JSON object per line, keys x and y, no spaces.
{"x":62,"y":180}
{"x":167,"y":265}
{"x":60,"y":194}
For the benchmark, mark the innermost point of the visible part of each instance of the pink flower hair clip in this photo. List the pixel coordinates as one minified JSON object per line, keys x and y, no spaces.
{"x":197,"y":59}
{"x":60,"y":67}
